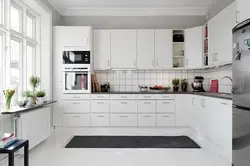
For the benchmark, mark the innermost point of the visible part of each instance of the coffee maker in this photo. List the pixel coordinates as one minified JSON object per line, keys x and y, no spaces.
{"x":197,"y":85}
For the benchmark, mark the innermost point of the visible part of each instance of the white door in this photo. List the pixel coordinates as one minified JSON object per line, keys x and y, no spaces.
{"x":123,"y":49}
{"x":163,"y":48}
{"x":145,"y":49}
{"x":102,"y":49}
{"x":193,"y":47}
{"x":243,"y":8}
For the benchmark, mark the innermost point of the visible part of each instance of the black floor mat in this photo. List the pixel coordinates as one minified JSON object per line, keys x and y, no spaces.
{"x":131,"y":142}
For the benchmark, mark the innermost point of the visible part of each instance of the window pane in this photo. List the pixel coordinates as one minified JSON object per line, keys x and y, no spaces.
{"x":30,"y":27}
{"x":30,"y":63}
{"x":14,"y":63}
{"x":15,"y":15}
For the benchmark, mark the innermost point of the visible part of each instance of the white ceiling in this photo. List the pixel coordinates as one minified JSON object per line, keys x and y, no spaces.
{"x":135,"y":7}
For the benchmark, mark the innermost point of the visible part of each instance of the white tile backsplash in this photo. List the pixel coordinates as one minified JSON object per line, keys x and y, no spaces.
{"x":127,"y":80}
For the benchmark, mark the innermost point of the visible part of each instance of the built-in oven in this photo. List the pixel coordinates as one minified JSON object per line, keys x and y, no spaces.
{"x":76,"y":80}
{"x":76,"y":57}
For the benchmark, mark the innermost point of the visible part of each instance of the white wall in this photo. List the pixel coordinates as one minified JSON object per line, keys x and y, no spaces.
{"x":56,"y":16}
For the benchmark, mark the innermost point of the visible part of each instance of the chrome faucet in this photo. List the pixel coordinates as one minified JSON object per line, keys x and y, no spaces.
{"x":233,"y":89}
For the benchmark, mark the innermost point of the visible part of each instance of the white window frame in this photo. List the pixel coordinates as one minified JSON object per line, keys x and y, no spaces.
{"x":14,"y":4}
{"x":28,"y":14}
{"x":25,"y":77}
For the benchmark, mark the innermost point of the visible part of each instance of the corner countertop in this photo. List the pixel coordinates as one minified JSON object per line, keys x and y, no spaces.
{"x":226,"y":96}
{"x":26,"y":109}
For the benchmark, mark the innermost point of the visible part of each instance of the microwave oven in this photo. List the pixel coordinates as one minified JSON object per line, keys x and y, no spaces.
{"x":76,"y":57}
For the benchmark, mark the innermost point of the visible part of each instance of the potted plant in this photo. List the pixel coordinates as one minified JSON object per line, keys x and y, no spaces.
{"x":184,"y":85}
{"x":176,"y":83}
{"x":30,"y":96}
{"x":34,"y":82}
{"x":40,"y":97}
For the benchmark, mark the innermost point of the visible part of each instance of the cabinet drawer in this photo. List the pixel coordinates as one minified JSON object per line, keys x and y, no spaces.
{"x":165,"y":106}
{"x":165,"y":120}
{"x":125,"y":96}
{"x":76,"y":120}
{"x":76,"y":97}
{"x":99,"y":120}
{"x":123,"y":120}
{"x":100,"y":97}
{"x":76,"y":106}
{"x":146,"y":106}
{"x":165,"y":96}
{"x":147,"y":120}
{"x":123,"y":106}
{"x":147,"y":96}
{"x":100,"y":106}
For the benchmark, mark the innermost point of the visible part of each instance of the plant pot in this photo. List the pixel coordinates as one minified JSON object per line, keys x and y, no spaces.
{"x":40,"y":100}
{"x":176,"y":88}
{"x":184,"y":88}
{"x":7,"y":104}
{"x":31,"y":101}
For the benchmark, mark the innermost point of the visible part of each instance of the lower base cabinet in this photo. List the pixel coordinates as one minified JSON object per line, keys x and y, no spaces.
{"x":146,"y":120}
{"x":165,"y":120}
{"x":100,"y":120}
{"x":123,"y":120}
{"x":76,"y":120}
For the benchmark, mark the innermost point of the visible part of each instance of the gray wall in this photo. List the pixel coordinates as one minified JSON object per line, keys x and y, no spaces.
{"x":56,"y":17}
{"x":103,"y":22}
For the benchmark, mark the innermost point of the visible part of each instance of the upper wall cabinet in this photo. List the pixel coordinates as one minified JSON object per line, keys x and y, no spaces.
{"x":145,"y":49}
{"x":163,"y":48}
{"x":220,"y":36}
{"x":193,"y":47}
{"x":243,"y":10}
{"x":102,"y":49}
{"x":123,"y":49}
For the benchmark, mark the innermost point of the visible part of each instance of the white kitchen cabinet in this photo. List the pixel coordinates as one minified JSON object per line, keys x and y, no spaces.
{"x":123,"y":49}
{"x":100,"y":96}
{"x":76,"y":120}
{"x":220,"y":36}
{"x":183,"y":117}
{"x":147,"y":120}
{"x":76,"y":106}
{"x":100,"y":120}
{"x":165,"y":120}
{"x":100,"y":106}
{"x":163,"y":48}
{"x":243,"y":10}
{"x":145,"y":49}
{"x":146,"y":106}
{"x":123,"y":120}
{"x":102,"y":46}
{"x":123,"y":106}
{"x":193,"y":47}
{"x":165,"y":106}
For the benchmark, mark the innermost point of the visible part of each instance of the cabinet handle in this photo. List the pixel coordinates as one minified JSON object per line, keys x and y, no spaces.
{"x":108,"y":63}
{"x":100,"y":116}
{"x":100,"y":102}
{"x":204,"y":100}
{"x":165,"y":116}
{"x":165,"y":97}
{"x":201,"y":102}
{"x":123,"y":116}
{"x":153,"y":63}
{"x":124,"y":97}
{"x":124,"y":102}
{"x":165,"y":102}
{"x":134,"y":62}
{"x":193,"y":101}
{"x":147,"y":102}
{"x":216,"y":57}
{"x":147,"y":116}
{"x":100,"y":96}
{"x":76,"y":97}
{"x":76,"y":116}
{"x":157,"y":62}
{"x":186,"y":62}
{"x":76,"y":103}
{"x":224,"y":103}
{"x":213,"y":57}
{"x":147,"y":96}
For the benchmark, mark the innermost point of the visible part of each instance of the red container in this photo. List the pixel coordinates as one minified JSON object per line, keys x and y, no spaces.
{"x":214,"y":86}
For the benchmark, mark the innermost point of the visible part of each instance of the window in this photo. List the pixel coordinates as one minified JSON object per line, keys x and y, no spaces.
{"x":15,"y":54}
{"x":30,"y":61}
{"x":15,"y":18}
{"x":30,"y":26}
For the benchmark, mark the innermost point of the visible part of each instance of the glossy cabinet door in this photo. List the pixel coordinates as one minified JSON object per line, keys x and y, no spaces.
{"x":102,"y":46}
{"x":243,"y":9}
{"x":145,"y":49}
{"x":193,"y":47}
{"x":123,"y":49}
{"x":163,"y":48}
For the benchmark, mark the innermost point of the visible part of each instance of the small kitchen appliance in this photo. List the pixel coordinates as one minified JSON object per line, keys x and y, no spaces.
{"x":214,"y":86}
{"x":197,"y":85}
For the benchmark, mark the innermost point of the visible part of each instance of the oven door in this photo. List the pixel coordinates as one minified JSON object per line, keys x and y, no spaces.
{"x":76,"y":82}
{"x":76,"y":57}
